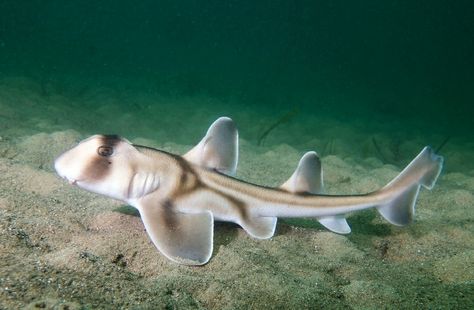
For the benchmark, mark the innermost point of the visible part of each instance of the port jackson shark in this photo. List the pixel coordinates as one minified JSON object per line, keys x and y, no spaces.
{"x":179,"y":197}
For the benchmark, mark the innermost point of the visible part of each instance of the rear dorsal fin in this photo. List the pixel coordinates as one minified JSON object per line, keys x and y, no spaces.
{"x":308,"y":176}
{"x":219,"y":149}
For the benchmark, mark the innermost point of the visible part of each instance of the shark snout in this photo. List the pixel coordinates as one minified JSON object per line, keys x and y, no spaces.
{"x":63,"y":170}
{"x":57,"y":167}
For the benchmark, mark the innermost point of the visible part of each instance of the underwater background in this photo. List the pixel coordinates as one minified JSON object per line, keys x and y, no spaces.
{"x":366,"y":84}
{"x":408,"y":62}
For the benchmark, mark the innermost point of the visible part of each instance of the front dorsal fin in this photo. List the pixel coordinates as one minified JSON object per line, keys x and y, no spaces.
{"x":219,"y":149}
{"x":308,"y":176}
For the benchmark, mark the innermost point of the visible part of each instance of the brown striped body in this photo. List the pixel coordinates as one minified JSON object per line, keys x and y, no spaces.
{"x":180,"y":196}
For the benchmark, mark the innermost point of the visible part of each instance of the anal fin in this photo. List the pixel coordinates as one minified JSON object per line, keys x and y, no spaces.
{"x":337,"y":224}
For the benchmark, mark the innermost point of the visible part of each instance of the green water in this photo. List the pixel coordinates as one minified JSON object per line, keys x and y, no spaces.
{"x":397,"y":60}
{"x":370,"y":82}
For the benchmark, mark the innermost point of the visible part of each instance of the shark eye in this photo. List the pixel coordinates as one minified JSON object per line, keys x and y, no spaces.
{"x":105,"y":151}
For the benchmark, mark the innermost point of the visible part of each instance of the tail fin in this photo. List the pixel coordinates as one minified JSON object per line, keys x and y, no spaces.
{"x":403,"y":190}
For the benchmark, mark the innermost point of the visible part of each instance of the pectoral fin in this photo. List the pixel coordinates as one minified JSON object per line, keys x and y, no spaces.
{"x":182,"y":237}
{"x":219,"y":149}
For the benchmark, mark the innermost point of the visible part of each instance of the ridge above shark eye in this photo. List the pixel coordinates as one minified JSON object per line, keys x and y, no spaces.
{"x":105,"y":151}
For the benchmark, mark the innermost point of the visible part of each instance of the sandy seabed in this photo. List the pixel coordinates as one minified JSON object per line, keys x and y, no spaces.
{"x":64,"y":248}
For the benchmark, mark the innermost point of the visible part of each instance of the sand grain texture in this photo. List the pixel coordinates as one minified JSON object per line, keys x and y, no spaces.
{"x":61,"y":247}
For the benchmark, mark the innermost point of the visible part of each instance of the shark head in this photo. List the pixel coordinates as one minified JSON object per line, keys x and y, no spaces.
{"x":100,"y":164}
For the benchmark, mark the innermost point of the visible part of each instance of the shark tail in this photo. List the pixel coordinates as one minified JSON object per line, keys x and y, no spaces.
{"x":402,"y":192}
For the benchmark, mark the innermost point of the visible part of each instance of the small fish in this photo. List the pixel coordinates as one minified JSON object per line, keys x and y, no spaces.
{"x":179,"y":197}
